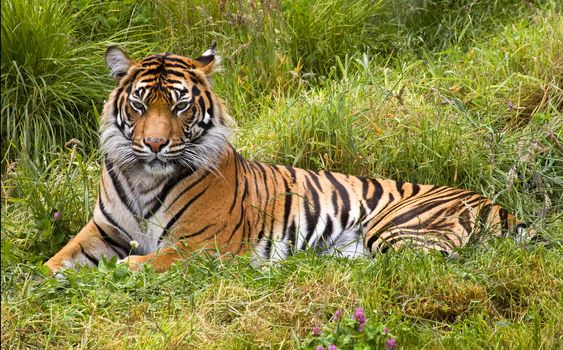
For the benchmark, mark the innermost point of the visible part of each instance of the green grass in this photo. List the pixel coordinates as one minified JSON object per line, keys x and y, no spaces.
{"x":465,"y":93}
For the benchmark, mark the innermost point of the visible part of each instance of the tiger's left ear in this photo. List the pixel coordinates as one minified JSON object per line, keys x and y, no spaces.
{"x":118,"y":62}
{"x":207,"y":62}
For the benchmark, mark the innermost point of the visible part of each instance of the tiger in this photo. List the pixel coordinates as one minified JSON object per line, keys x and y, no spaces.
{"x":172,"y":184}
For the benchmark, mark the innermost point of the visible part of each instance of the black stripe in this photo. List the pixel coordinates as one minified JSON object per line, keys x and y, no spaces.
{"x":148,"y":80}
{"x":170,"y":82}
{"x":291,"y":171}
{"x":483,"y":216}
{"x":312,"y":218}
{"x":146,"y":190}
{"x":344,"y":198}
{"x":334,"y":200}
{"x":417,"y":211}
{"x":161,"y":69}
{"x":111,"y":219}
{"x":268,"y":248}
{"x":423,"y":206}
{"x":291,"y":231}
{"x":383,"y":249}
{"x":116,"y":102}
{"x":128,"y":80}
{"x":205,"y":126}
{"x":210,"y":99}
{"x":377,"y":194}
{"x":161,"y":197}
{"x":192,"y":185}
{"x":315,"y":177}
{"x":287,"y":208}
{"x":373,"y":224}
{"x":253,"y":170}
{"x":179,"y":61}
{"x":118,"y":186}
{"x":193,"y":78}
{"x":111,"y":243}
{"x":427,"y":222}
{"x":415,"y":189}
{"x":266,"y":200}
{"x":152,"y":60}
{"x":237,"y":226}
{"x":424,"y":240}
{"x":327,"y":233}
{"x":92,"y":259}
{"x":176,"y":65}
{"x":264,"y":177}
{"x":465,"y":220}
{"x":274,"y":203}
{"x":197,"y":233}
{"x":503,"y":214}
{"x":201,"y":104}
{"x":400,"y":189}
{"x":235,"y":160}
{"x":179,"y":214}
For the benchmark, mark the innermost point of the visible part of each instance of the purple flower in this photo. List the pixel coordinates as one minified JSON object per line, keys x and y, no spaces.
{"x":57,"y":215}
{"x":332,"y":347}
{"x":360,"y":316}
{"x":317,"y":331}
{"x":391,"y":344}
{"x":338,"y":315}
{"x":320,"y":347}
{"x":386,"y":330}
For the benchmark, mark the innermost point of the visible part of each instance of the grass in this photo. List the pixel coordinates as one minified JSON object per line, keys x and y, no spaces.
{"x":464,"y":93}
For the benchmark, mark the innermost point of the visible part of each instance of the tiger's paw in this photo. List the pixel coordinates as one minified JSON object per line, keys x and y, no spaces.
{"x":56,"y":269}
{"x":135,"y":262}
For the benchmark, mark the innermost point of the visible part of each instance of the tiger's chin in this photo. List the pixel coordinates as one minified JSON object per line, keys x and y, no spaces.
{"x":159,"y":168}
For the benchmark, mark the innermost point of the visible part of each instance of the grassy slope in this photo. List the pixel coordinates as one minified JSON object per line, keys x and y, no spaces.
{"x":479,"y":109}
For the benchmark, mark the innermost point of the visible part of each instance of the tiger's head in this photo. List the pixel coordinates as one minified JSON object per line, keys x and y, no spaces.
{"x":163,"y":115}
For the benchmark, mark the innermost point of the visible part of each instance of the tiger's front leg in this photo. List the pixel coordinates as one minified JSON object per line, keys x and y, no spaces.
{"x":87,"y":248}
{"x":160,"y":260}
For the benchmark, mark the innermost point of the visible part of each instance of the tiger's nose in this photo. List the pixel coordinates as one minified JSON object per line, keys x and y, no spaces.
{"x":155,"y":143}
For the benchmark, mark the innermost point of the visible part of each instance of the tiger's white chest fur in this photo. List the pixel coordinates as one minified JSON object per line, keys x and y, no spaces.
{"x":133,"y":210}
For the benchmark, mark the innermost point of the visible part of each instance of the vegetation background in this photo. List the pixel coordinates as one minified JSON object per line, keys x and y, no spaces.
{"x":464,"y":93}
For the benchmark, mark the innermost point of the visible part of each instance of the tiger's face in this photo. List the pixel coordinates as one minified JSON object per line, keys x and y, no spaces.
{"x":163,"y":114}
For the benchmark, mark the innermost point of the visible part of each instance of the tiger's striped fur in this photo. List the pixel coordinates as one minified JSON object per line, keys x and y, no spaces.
{"x":172,"y":183}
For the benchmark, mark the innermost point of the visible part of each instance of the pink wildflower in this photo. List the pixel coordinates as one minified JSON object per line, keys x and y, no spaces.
{"x":391,"y":344}
{"x":338,"y":315}
{"x":360,"y":317}
{"x":317,"y":331}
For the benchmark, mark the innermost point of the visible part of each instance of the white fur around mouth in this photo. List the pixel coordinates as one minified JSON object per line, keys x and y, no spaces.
{"x":158,"y":167}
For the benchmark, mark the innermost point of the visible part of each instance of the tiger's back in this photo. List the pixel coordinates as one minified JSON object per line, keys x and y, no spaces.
{"x":172,"y":183}
{"x":296,"y":209}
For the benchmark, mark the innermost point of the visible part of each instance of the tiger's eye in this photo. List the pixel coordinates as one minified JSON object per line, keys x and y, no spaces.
{"x":137,"y":106}
{"x":181,"y":106}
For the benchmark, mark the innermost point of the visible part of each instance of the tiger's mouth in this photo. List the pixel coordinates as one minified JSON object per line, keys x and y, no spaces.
{"x":156,"y":162}
{"x":157,"y":166}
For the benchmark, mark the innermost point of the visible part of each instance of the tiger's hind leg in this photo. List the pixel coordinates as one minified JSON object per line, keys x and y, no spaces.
{"x":446,"y":229}
{"x":444,"y":241}
{"x":87,"y":248}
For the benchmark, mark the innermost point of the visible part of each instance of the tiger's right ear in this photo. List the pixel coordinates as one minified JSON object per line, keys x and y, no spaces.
{"x":118,"y":62}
